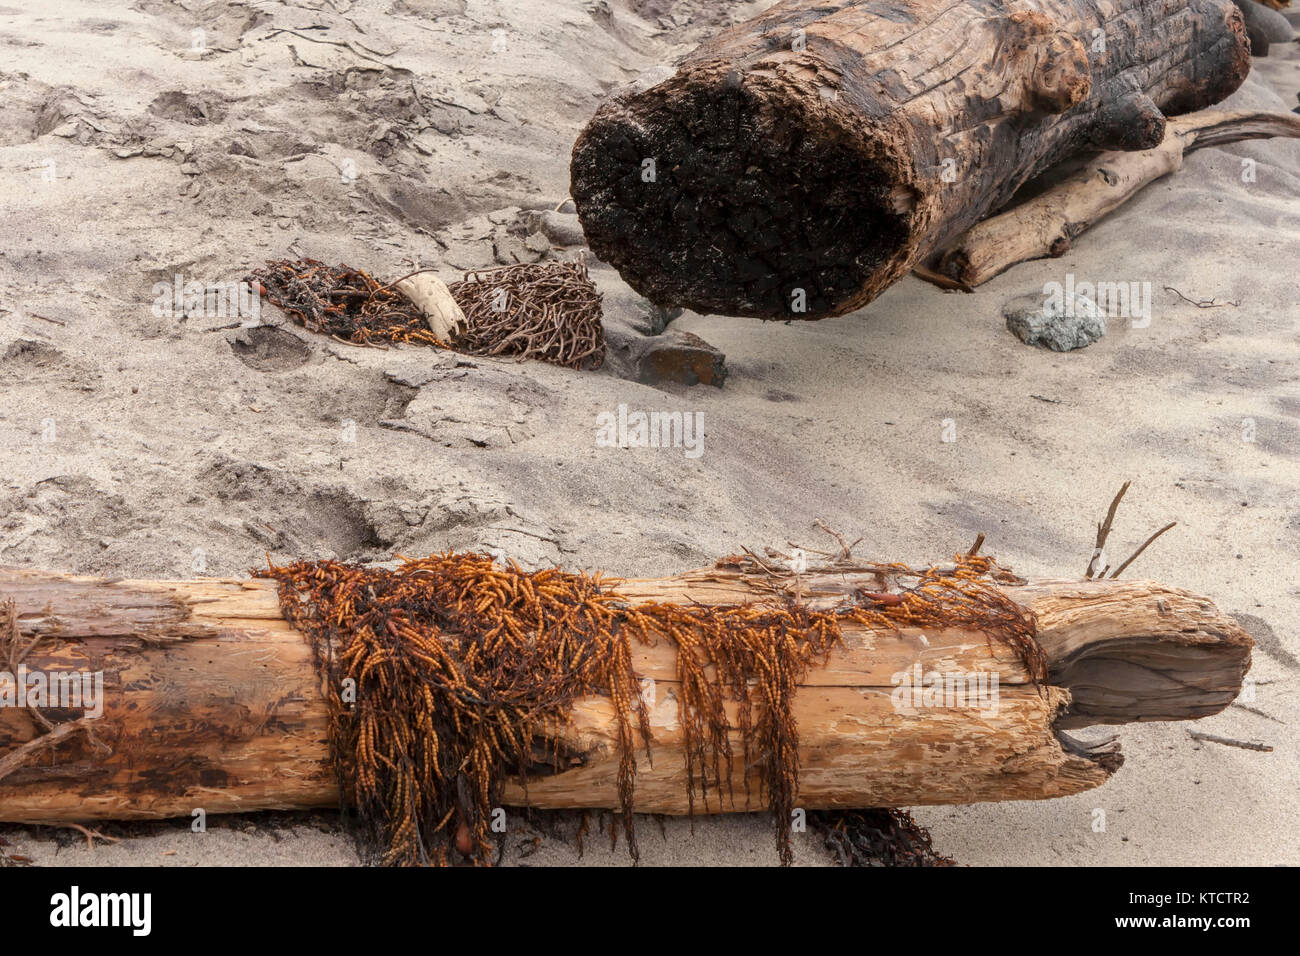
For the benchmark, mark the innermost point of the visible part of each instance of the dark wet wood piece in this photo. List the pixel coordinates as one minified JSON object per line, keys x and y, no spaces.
{"x":813,"y":155}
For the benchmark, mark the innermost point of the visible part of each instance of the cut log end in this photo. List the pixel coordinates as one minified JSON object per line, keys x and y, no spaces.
{"x":730,"y":194}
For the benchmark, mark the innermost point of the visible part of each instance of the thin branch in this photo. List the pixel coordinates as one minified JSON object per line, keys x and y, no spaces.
{"x":1203,"y":303}
{"x":1135,"y":554}
{"x":17,"y":757}
{"x":846,"y":550}
{"x":1103,"y":532}
{"x":90,"y":835}
{"x":1231,"y":742}
{"x":926,"y":274}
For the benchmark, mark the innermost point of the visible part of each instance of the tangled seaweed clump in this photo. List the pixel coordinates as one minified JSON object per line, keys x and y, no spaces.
{"x":546,"y":311}
{"x":450,"y":674}
{"x":342,"y":302}
{"x":878,"y":837}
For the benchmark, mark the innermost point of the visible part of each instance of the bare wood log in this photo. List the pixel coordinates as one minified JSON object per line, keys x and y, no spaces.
{"x":797,"y":164}
{"x":211,"y":699}
{"x":1048,"y":223}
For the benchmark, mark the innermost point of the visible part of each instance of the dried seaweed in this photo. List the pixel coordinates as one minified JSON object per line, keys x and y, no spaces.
{"x":343,"y":302}
{"x":450,"y":674}
{"x":878,"y":837}
{"x":963,"y":596}
{"x":546,"y":310}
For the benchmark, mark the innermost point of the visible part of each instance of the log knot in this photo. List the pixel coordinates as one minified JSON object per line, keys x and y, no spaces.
{"x":1058,"y":76}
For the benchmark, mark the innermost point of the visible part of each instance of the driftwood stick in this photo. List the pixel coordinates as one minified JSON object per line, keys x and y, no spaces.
{"x":1142,"y":547}
{"x":1231,"y":742}
{"x":19,"y":756}
{"x":1048,"y":223}
{"x":1103,"y":532}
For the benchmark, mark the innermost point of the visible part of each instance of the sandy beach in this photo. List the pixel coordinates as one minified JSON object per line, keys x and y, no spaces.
{"x":141,"y":141}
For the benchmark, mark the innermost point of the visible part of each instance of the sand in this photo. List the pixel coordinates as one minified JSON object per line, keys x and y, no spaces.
{"x":391,"y":135}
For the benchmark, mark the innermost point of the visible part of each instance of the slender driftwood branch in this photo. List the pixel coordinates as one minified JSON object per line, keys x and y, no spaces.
{"x":1231,"y":742}
{"x":1134,"y":556}
{"x":1103,"y":532}
{"x":1047,"y":224}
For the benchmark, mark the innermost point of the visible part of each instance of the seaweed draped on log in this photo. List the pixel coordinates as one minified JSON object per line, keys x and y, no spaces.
{"x":798,"y":163}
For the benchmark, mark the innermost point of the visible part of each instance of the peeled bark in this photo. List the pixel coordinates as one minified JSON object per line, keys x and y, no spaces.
{"x":799,"y":163}
{"x":211,"y":700}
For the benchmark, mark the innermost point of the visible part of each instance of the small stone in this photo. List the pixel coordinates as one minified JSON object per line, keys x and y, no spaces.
{"x":508,"y":250}
{"x":563,"y":229}
{"x":538,"y":243}
{"x":1073,"y":323}
{"x":412,"y":515}
{"x":684,"y":359}
{"x":651,"y":319}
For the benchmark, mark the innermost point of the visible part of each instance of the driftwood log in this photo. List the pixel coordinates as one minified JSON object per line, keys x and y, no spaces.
{"x":797,"y":164}
{"x":1046,"y":224}
{"x":211,"y":700}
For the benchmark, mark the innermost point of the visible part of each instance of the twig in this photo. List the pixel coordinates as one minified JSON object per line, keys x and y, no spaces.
{"x":91,"y":835}
{"x":975,"y":548}
{"x":1230,"y":742}
{"x":1133,"y":556}
{"x":1103,"y":532}
{"x":1257,"y":712}
{"x":33,"y":315}
{"x":1204,"y":303}
{"x":846,"y":550}
{"x":405,"y":277}
{"x":17,"y":757}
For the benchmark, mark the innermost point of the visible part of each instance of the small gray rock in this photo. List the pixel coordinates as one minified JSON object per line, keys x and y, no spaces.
{"x":1075,"y":323}
{"x":651,"y":319}
{"x":563,"y":229}
{"x":1270,"y":24}
{"x":538,"y":243}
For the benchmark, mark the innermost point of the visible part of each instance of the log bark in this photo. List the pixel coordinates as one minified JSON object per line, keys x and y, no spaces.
{"x":211,"y":699}
{"x":797,"y":164}
{"x":1048,"y":223}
